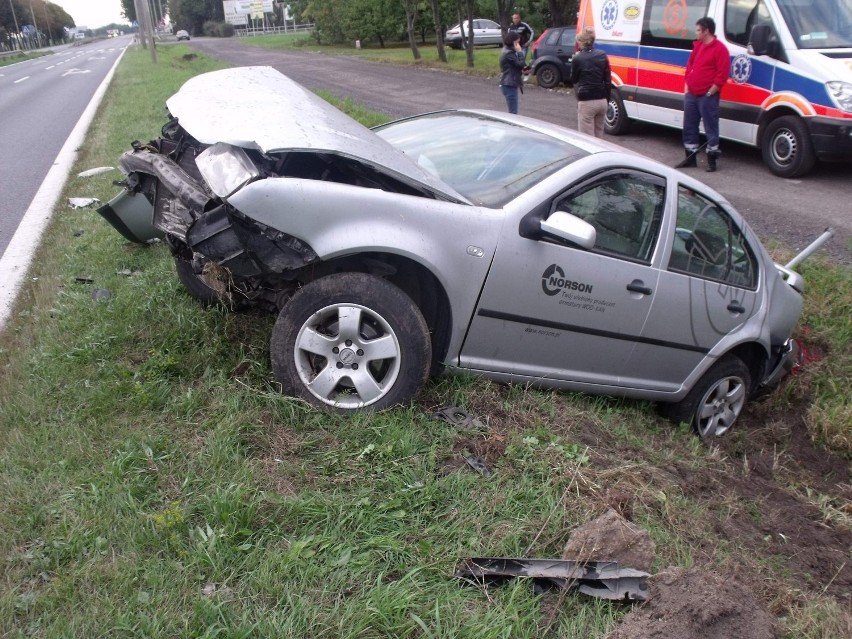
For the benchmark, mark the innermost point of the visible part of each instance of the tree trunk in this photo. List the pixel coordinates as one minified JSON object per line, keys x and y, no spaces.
{"x":439,"y":31}
{"x":410,"y":19}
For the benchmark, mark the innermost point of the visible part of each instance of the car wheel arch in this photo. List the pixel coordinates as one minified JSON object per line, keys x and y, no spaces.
{"x":412,"y":278}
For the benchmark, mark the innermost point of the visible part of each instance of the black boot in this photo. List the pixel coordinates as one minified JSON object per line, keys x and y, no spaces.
{"x":691,"y":160}
{"x":712,"y":157}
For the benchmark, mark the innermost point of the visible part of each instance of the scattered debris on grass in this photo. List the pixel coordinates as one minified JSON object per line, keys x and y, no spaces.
{"x":604,"y":579}
{"x":95,"y":171}
{"x":82,"y":202}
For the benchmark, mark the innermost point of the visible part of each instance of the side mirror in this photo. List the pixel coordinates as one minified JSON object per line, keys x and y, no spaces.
{"x":760,"y":40}
{"x":565,"y":227}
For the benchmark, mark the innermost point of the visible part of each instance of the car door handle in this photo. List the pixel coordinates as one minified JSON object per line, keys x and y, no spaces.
{"x":736,"y":307}
{"x":638,"y":286}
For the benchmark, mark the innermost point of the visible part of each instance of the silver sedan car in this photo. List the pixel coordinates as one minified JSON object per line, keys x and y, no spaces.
{"x":484,"y":32}
{"x":469,"y":241}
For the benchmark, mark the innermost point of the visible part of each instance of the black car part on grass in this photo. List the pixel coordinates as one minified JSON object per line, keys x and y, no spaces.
{"x":604,"y":579}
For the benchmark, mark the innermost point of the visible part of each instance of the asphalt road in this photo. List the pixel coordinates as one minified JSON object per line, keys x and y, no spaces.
{"x":40,"y":102}
{"x":792,"y":211}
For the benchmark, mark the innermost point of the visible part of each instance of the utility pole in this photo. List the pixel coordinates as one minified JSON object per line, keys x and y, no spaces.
{"x":17,"y":28}
{"x":150,"y":26}
{"x":140,"y":24}
{"x":35,"y":24}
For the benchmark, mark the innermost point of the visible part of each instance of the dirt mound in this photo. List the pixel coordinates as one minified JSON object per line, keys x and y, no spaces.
{"x":611,"y":537}
{"x":694,"y":604}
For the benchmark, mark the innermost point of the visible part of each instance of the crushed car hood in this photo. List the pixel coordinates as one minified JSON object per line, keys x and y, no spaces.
{"x":260,"y":108}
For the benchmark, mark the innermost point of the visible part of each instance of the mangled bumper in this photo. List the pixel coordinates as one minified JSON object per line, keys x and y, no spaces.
{"x":163,"y":199}
{"x":788,"y":358}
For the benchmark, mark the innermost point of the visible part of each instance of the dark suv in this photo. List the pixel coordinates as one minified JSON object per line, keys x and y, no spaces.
{"x":551,"y":56}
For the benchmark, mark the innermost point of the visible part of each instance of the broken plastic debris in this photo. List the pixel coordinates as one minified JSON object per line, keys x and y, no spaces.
{"x":95,"y":171}
{"x":479,"y":465}
{"x":101,"y":294}
{"x":458,"y":417}
{"x":82,"y":202}
{"x":603,"y":579}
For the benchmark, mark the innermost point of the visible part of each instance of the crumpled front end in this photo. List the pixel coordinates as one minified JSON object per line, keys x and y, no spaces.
{"x":165,"y":185}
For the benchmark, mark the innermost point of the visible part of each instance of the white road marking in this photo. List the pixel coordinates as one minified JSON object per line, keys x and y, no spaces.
{"x":76,"y":71}
{"x":26,"y":77}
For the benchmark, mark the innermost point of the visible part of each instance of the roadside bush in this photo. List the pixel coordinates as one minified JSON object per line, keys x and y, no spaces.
{"x":218,"y":29}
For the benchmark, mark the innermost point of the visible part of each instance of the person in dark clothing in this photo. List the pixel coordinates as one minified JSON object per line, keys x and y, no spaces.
{"x":522,"y":29}
{"x":592,"y":80}
{"x":706,"y":74}
{"x":511,"y":70}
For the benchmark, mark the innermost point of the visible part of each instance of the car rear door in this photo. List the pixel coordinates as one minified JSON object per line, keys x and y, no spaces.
{"x":557,"y":311}
{"x":707,"y":292}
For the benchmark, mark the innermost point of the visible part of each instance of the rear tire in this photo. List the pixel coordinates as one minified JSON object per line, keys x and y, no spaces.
{"x":786,"y":147}
{"x":548,"y":76}
{"x":716,"y":401}
{"x":616,"y":121}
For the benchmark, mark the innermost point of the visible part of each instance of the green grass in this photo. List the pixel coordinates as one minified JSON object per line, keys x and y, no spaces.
{"x":6,"y":60}
{"x":156,"y":484}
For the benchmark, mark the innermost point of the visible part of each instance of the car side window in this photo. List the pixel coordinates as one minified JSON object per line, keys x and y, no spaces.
{"x":625,"y":209}
{"x":552,"y":38}
{"x":567,"y":39}
{"x":708,"y":244}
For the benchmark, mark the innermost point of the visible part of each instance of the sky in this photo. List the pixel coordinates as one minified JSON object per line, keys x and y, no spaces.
{"x":92,"y":13}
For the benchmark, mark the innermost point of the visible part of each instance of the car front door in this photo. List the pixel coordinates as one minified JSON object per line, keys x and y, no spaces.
{"x":553,"y":310}
{"x":708,"y":291}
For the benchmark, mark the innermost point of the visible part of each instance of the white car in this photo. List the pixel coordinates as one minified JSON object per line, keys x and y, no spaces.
{"x":484,"y":32}
{"x":462,"y":240}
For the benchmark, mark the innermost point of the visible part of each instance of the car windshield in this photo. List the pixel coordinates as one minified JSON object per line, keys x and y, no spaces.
{"x":488,"y":161}
{"x":819,"y":24}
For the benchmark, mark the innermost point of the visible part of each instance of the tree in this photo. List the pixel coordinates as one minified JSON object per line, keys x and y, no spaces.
{"x":410,"y":20}
{"x":435,"y":5}
{"x":192,"y":14}
{"x":51,"y":20}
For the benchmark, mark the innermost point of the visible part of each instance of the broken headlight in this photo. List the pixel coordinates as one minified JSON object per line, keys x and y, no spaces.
{"x":226,"y":168}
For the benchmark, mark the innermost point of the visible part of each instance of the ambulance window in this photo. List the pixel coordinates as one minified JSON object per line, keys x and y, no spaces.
{"x":741,"y":16}
{"x":666,"y":25}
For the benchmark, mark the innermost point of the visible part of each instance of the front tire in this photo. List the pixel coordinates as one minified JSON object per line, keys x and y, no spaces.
{"x":194,"y":283}
{"x":548,"y":76}
{"x":716,"y":401}
{"x":786,"y":147}
{"x":350,"y":341}
{"x":616,"y":121}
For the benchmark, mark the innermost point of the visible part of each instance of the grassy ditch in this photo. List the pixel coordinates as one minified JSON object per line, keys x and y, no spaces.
{"x":156,"y":484}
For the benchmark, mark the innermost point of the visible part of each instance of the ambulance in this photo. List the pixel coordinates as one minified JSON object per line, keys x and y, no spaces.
{"x":789,"y":90}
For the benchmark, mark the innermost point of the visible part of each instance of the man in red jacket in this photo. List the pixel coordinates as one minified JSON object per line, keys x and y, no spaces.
{"x":706,"y":74}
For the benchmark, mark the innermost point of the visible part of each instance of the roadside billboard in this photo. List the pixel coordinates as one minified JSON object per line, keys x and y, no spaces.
{"x":237,"y":12}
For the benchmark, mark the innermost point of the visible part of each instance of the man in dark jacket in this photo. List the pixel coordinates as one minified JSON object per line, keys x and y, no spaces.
{"x":522,"y":29}
{"x":706,"y":74}
{"x":590,"y":75}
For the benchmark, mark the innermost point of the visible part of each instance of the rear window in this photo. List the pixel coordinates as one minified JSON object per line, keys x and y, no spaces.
{"x":488,"y":161}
